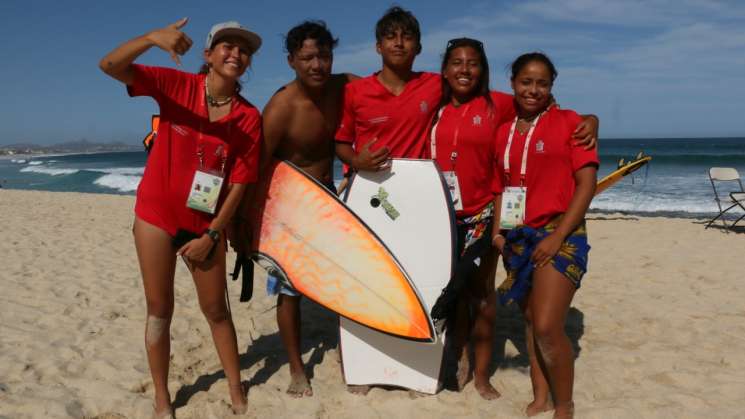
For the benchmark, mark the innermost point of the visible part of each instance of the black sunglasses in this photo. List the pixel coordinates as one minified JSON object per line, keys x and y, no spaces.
{"x":458,"y":42}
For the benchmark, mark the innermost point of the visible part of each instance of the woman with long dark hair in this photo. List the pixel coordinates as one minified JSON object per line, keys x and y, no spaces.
{"x":462,"y":143}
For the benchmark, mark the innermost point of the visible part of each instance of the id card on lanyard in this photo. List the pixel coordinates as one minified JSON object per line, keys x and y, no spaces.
{"x":515,"y":198}
{"x":207,"y":184}
{"x":451,"y":178}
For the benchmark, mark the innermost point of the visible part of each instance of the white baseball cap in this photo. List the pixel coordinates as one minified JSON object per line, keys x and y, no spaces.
{"x":233,"y":28}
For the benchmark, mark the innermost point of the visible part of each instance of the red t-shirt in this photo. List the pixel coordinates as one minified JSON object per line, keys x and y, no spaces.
{"x":399,"y":122}
{"x":552,"y":161}
{"x":470,"y":130}
{"x":184,"y":131}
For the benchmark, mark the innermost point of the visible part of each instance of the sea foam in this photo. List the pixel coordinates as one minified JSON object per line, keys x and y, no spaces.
{"x":119,"y":182}
{"x":49,"y":170}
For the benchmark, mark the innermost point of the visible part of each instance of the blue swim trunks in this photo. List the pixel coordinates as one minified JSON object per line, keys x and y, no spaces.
{"x":275,"y":286}
{"x":570,"y":260}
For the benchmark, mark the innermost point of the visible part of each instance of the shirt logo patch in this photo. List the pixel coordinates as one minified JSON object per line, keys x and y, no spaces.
{"x":424,"y":106}
{"x":378,"y":120}
{"x":477,"y":121}
{"x":539,"y":146}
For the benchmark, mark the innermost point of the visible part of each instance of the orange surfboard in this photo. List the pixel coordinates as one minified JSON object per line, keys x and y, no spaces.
{"x":329,"y":255}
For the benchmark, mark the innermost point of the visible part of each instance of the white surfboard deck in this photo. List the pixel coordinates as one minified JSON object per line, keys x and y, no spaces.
{"x":423,"y":240}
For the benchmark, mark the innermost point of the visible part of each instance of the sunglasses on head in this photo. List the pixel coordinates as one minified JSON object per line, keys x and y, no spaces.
{"x":458,"y":42}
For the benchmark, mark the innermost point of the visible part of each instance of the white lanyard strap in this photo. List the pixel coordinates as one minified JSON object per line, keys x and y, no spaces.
{"x":433,"y":135}
{"x":524,"y":165}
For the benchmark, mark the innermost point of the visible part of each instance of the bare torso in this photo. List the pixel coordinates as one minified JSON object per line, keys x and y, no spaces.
{"x":307,"y":138}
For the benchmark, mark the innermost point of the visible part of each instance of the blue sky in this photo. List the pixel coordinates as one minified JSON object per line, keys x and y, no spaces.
{"x":655,"y":68}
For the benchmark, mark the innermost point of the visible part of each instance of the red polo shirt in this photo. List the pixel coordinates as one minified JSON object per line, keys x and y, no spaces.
{"x":469,"y":130}
{"x":399,"y":122}
{"x":552,"y":161}
{"x":184,"y":132}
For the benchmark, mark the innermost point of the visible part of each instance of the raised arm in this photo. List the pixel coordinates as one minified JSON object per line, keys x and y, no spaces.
{"x":118,"y":63}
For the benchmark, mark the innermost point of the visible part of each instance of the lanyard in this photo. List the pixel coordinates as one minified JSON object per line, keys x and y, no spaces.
{"x":524,"y":165}
{"x":433,"y":135}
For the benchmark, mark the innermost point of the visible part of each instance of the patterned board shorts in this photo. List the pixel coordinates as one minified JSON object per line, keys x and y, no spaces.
{"x":570,"y":260}
{"x":471,"y":229}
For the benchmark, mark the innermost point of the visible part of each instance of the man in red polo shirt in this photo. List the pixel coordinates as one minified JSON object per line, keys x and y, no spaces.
{"x":387,"y":114}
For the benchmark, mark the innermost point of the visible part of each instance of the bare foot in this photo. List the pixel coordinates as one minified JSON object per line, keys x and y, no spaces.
{"x":166,"y":413}
{"x":486,"y":390}
{"x":564,"y":411}
{"x":463,"y":374}
{"x":358,"y":390}
{"x":299,"y":386}
{"x":162,"y":408}
{"x":238,"y":399}
{"x":536,"y":408}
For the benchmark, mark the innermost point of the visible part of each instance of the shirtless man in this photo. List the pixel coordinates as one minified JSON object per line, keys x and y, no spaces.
{"x":299,"y":124}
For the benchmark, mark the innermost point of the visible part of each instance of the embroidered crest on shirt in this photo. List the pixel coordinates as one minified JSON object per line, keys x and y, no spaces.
{"x":539,"y":146}
{"x":477,"y":121}
{"x":423,"y":106}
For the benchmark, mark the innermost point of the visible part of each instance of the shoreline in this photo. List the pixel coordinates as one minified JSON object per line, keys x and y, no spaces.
{"x":31,"y":156}
{"x":592,"y":212}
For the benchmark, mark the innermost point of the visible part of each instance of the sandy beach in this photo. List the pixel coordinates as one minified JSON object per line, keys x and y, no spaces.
{"x":658,"y":326}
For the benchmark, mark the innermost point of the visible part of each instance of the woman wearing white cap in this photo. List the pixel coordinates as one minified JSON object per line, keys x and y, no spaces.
{"x":208,"y":136}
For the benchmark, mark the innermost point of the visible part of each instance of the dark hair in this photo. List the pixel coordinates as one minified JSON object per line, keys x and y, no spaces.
{"x":310,"y":29}
{"x":398,"y":18}
{"x":540,"y":57}
{"x":482,"y":88}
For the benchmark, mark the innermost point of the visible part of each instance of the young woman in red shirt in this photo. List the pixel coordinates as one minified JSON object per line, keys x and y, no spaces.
{"x":547,"y":184}
{"x":462,"y":143}
{"x":208,"y":136}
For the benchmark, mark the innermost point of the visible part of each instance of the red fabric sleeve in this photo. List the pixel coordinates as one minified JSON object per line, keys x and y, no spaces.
{"x":246,"y":165}
{"x":580,"y":156}
{"x":155,"y":82}
{"x":505,"y":106}
{"x":346,"y":131}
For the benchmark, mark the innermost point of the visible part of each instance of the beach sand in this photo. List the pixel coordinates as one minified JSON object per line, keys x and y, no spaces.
{"x":659,"y":327}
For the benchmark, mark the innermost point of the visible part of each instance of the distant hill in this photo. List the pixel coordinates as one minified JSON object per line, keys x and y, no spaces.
{"x":81,"y":146}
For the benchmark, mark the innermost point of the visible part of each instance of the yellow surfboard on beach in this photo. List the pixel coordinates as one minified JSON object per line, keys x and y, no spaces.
{"x":327,"y":253}
{"x":623,"y":170}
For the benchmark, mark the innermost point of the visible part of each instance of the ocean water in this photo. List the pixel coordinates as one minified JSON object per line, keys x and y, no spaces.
{"x":675,"y":183}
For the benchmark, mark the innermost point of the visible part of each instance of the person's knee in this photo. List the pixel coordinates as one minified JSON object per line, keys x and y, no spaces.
{"x":155,"y":329}
{"x":162,"y":309}
{"x":216,"y":312}
{"x":547,"y":333}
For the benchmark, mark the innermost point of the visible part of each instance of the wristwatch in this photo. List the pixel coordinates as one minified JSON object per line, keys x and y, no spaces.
{"x":213,"y":234}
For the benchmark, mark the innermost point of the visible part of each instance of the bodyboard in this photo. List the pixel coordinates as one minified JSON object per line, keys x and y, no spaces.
{"x":408,"y":206}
